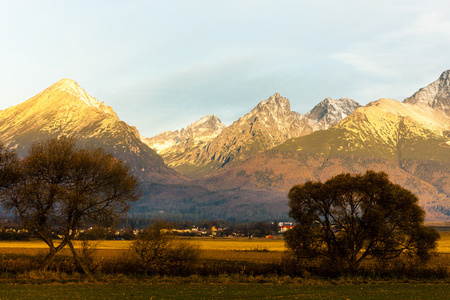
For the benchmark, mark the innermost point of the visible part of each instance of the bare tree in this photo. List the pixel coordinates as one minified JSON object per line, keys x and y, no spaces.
{"x":61,"y":187}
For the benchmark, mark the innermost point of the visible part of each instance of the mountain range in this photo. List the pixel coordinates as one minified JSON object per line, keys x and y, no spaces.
{"x":207,"y":145}
{"x":243,"y":171}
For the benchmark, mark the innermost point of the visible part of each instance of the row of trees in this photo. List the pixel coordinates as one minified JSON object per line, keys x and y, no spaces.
{"x":59,"y":187}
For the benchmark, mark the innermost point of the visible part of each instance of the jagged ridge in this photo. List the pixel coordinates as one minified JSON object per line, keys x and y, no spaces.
{"x":267,"y":125}
{"x":435,"y":95}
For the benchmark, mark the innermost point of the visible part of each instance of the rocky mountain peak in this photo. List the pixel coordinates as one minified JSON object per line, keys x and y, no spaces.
{"x":194,"y":135}
{"x":203,"y":130}
{"x":435,"y":95}
{"x":330,"y":111}
{"x":66,"y":109}
{"x":69,"y":87}
{"x":207,"y":122}
{"x":275,"y":101}
{"x":276,"y":107}
{"x":445,"y":76}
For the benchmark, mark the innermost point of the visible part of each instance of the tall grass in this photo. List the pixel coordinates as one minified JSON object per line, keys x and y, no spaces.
{"x":254,"y":260}
{"x":129,"y":264}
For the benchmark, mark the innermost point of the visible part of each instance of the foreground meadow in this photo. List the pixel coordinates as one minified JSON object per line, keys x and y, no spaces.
{"x":229,"y":291}
{"x":222,"y":252}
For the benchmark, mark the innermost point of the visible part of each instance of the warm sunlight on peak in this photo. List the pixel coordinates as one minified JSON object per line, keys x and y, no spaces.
{"x":66,"y":84}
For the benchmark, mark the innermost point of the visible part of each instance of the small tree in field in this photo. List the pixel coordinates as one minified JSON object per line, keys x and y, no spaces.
{"x":352,"y":217}
{"x":61,"y":187}
{"x":160,"y":252}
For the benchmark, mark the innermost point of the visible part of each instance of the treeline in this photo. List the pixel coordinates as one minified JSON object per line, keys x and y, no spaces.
{"x":251,"y":228}
{"x":129,"y":229}
{"x":11,"y":234}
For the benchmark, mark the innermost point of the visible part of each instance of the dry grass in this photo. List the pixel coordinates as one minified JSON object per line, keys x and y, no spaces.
{"x":222,"y":247}
{"x":256,"y":250}
{"x":444,"y":242}
{"x":242,"y":244}
{"x":207,"y":244}
{"x":37,"y":244}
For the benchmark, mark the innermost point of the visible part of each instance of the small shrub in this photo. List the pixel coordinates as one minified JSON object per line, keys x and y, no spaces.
{"x":86,"y":253}
{"x":161,"y":253}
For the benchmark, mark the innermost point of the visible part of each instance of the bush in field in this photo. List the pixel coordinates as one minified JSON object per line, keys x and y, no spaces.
{"x":349,"y":219}
{"x":87,"y":253}
{"x":160,"y":252}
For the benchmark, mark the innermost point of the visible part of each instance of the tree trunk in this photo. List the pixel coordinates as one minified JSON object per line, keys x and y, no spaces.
{"x":353,"y":263}
{"x":48,"y":260}
{"x":50,"y":257}
{"x":77,"y":258}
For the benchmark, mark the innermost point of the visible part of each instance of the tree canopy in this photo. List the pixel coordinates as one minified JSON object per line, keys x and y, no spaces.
{"x":8,"y":167}
{"x":352,"y":217}
{"x":61,"y":187}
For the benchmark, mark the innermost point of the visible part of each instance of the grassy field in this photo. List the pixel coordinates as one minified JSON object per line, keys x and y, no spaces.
{"x":444,"y":242}
{"x":206,"y":244}
{"x":238,"y":244}
{"x":235,"y":244}
{"x":233,"y":250}
{"x":228,"y":291}
{"x":77,"y":286}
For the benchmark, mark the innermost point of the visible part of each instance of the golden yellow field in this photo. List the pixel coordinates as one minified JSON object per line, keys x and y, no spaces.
{"x":256,"y":249}
{"x":235,"y":244}
{"x":237,"y":249}
{"x":444,"y":242}
{"x":241,"y":244}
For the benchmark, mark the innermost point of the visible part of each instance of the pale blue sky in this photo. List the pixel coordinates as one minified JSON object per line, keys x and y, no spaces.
{"x":162,"y":65}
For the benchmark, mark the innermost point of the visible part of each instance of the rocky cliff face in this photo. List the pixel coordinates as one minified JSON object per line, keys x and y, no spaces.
{"x":436,"y":95}
{"x":66,"y":109}
{"x":196,"y":134}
